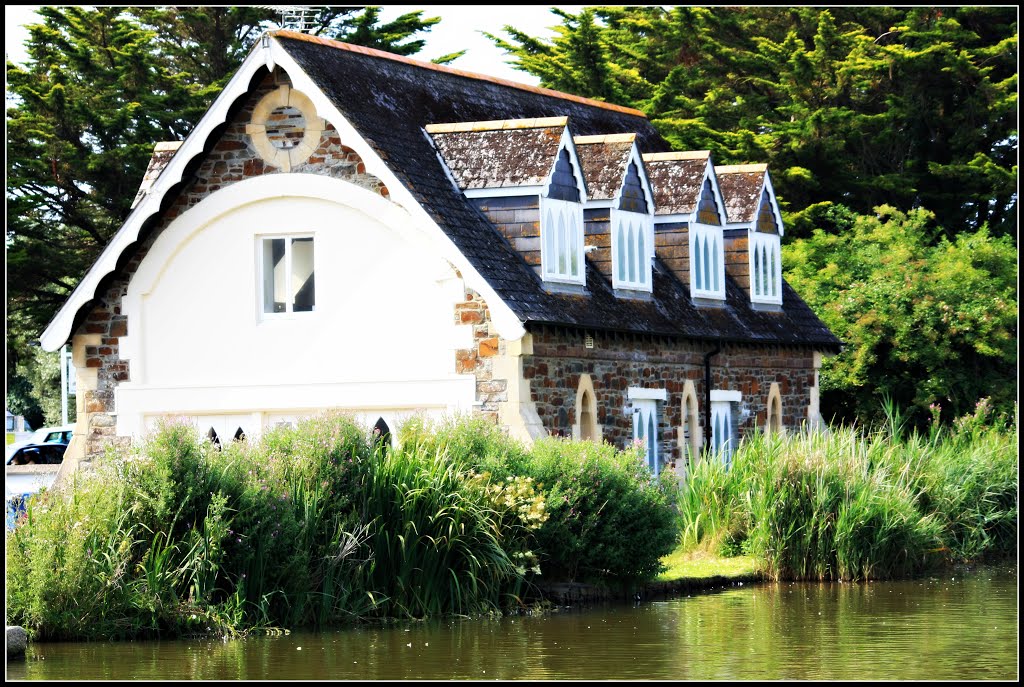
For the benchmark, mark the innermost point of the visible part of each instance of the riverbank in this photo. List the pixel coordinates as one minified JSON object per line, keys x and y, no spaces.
{"x":853,"y":505}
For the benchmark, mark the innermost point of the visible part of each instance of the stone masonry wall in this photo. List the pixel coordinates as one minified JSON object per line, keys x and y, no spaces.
{"x":479,"y":358}
{"x":232,"y":159}
{"x":617,"y":362}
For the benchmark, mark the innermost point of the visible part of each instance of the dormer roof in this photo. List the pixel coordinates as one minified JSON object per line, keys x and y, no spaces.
{"x":745,"y":188}
{"x":499,"y":153}
{"x":604,"y":159}
{"x":676,"y":179}
{"x":741,"y":186}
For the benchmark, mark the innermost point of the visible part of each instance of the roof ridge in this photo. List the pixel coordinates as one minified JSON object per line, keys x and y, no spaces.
{"x":677,"y":155}
{"x":372,"y":52}
{"x":605,"y":138}
{"x":736,"y":169}
{"x":497,"y":125}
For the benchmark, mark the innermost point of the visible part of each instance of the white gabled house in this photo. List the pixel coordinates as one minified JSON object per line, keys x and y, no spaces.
{"x":349,"y":229}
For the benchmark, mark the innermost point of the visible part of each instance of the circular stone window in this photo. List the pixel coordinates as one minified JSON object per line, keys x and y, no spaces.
{"x":284,"y":128}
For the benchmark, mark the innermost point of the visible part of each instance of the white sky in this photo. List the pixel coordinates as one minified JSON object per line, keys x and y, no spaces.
{"x":460,"y":28}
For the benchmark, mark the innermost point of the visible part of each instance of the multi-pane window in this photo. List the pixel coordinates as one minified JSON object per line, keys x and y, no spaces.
{"x":286,"y":274}
{"x":707,"y":261}
{"x":632,"y":239}
{"x":724,"y":430}
{"x":765,"y":268}
{"x":561,"y":229}
{"x":645,"y":429}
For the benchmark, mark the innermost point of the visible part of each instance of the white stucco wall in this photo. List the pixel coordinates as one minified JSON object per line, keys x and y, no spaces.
{"x":381,"y":340}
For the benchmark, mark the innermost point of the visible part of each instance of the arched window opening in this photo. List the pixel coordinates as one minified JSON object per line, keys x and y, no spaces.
{"x":586,"y":427}
{"x":773,"y":422}
{"x":239,"y":434}
{"x":381,"y":435}
{"x":213,"y":438}
{"x":689,"y":432}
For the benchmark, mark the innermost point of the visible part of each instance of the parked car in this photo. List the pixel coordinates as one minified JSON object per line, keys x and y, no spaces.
{"x":43,"y":435}
{"x":51,"y":453}
{"x":44,"y":448}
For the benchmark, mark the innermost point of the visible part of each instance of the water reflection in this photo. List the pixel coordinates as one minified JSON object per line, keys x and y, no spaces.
{"x":937,"y":628}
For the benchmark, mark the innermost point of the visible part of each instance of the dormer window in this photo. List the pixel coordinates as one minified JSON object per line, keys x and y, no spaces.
{"x":707,"y":253}
{"x":561,"y":230}
{"x":765,"y":256}
{"x":561,"y":225}
{"x":632,"y":236}
{"x":524,"y":175}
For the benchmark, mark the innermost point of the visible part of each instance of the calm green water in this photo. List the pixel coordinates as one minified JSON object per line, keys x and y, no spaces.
{"x":957,"y":626}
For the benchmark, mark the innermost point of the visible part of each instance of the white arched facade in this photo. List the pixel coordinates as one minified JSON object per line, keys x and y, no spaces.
{"x":380,"y":342}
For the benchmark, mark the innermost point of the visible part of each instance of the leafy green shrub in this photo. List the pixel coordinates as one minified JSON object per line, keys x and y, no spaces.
{"x":609,"y":519}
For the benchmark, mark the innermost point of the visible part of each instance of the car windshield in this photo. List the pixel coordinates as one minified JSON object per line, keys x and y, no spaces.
{"x":39,"y":454}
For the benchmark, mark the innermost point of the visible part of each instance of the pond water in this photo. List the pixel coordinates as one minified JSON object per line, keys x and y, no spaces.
{"x":958,"y":625}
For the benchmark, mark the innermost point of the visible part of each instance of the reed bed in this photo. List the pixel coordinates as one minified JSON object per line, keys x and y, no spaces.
{"x":848,"y":505}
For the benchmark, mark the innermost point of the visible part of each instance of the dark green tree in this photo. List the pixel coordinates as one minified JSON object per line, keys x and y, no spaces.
{"x":912,"y":107}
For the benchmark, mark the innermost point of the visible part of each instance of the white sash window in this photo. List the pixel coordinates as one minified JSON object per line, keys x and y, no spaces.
{"x":561,"y":229}
{"x":707,"y":261}
{"x":645,"y":430}
{"x":765,"y":268}
{"x":632,"y":250}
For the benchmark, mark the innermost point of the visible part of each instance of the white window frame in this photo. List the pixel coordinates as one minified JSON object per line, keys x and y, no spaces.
{"x":561,"y":234}
{"x":645,"y":422}
{"x":765,"y":268}
{"x":705,"y":283}
{"x":261,"y":275}
{"x":723,"y":432}
{"x":641,"y":250}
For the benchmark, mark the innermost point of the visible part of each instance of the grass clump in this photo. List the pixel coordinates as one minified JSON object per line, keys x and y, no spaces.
{"x":847,"y":505}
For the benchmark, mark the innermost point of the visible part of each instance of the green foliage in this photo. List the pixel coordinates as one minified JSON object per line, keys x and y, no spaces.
{"x":35,"y":392}
{"x":923,"y":322}
{"x":843,"y":505}
{"x":861,"y":106}
{"x":321,"y":525}
{"x":609,"y":519}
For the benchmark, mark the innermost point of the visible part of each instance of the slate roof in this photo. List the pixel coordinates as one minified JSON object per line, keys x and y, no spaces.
{"x":604,"y":160}
{"x":162,"y":154}
{"x":676,"y":179}
{"x":741,"y":190}
{"x":391,"y":100}
{"x":499,"y":154}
